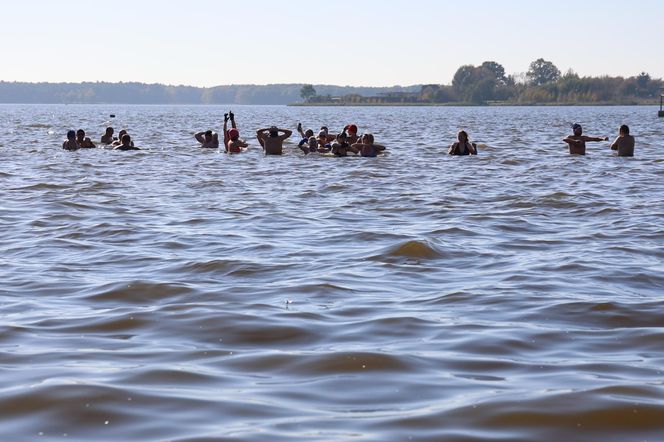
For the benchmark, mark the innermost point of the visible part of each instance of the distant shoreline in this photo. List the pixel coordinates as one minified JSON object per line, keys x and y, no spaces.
{"x":501,"y":104}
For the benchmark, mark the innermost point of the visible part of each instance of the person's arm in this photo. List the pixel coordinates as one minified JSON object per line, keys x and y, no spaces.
{"x":452,"y":148}
{"x":379,"y":147}
{"x":353,"y":149}
{"x":595,"y":138}
{"x":259,"y":136}
{"x":215,"y":139}
{"x":299,"y":130}
{"x":572,"y":142}
{"x":225,"y":128}
{"x":614,"y":145}
{"x":472,"y":148}
{"x":286,"y":134}
{"x":199,"y":137}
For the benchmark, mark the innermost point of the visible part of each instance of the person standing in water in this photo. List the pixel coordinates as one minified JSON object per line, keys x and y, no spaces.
{"x":83,"y":141}
{"x":624,"y":144}
{"x":577,"y":142}
{"x":366,"y":146}
{"x":232,"y":141}
{"x":272,"y":139}
{"x":70,"y":143}
{"x":462,"y":146}
{"x":126,"y":144}
{"x":107,"y":138}
{"x":208,"y":139}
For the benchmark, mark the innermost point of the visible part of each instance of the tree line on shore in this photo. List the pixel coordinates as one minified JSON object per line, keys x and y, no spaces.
{"x":488,"y":83}
{"x":484,"y":84}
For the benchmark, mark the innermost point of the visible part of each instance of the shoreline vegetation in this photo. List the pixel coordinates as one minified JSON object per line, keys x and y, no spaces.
{"x":483,"y":85}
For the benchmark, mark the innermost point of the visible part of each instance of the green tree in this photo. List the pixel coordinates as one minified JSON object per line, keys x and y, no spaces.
{"x":307,"y":92}
{"x":496,"y":70}
{"x":542,"y":72}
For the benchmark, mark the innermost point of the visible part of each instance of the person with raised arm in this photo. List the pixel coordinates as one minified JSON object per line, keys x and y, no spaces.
{"x":625,"y":142}
{"x":305,"y":136}
{"x":232,"y":141}
{"x":577,"y":142}
{"x":208,"y":139}
{"x":366,"y":146}
{"x":462,"y":146}
{"x":272,"y":139}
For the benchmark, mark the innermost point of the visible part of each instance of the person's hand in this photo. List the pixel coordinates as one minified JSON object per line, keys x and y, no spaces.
{"x":606,"y":138}
{"x":231,"y":115}
{"x":225,"y":118}
{"x":299,"y":126}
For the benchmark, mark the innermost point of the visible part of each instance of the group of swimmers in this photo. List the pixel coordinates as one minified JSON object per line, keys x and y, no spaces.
{"x":272,"y":138}
{"x":77,"y":140}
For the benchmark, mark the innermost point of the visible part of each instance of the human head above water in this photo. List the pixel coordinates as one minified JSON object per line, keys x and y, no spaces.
{"x":126,"y":139}
{"x":274,"y":132}
{"x":208,"y":135}
{"x":624,"y":129}
{"x":71,"y":134}
{"x":352,"y":129}
{"x":578,"y":130}
{"x":367,"y":138}
{"x":109,"y":131}
{"x":309,"y":133}
{"x":462,"y":136}
{"x":80,"y":133}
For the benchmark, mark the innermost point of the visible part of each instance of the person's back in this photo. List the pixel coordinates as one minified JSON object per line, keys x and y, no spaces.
{"x":271,"y":141}
{"x":625,"y":142}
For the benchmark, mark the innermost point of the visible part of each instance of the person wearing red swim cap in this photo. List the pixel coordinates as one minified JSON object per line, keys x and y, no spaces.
{"x":352,"y":133}
{"x":232,"y":141}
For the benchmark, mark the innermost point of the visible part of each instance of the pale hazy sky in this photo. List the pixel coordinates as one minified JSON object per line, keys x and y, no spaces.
{"x":342,"y":42}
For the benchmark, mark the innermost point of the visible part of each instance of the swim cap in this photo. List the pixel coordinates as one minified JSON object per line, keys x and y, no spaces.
{"x":233,"y":133}
{"x":352,"y":128}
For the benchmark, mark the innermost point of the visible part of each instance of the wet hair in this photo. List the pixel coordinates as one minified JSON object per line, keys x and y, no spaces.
{"x":126,"y":138}
{"x":369,"y":136}
{"x":624,"y":129}
{"x":121,"y":133}
{"x":324,"y":128}
{"x":273,"y":131}
{"x":342,"y":136}
{"x":80,"y":131}
{"x":309,"y":133}
{"x":109,"y":129}
{"x":71,"y":134}
{"x":462,"y":132}
{"x":208,"y":133}
{"x":576,"y":126}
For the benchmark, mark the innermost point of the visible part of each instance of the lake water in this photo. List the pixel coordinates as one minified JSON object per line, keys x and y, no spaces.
{"x":184,"y":294}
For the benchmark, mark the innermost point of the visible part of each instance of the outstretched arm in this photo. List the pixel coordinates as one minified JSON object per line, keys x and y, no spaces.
{"x":596,"y":138}
{"x":199,"y":137}
{"x":379,"y":147}
{"x":299,"y":130}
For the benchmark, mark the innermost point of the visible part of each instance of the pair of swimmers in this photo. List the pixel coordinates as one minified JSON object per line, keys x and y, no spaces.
{"x":232,"y":142}
{"x":623,"y":144}
{"x":77,"y":140}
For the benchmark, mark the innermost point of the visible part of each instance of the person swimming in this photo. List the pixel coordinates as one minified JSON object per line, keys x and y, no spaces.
{"x":83,"y":141}
{"x":577,"y":142}
{"x":366,"y":146}
{"x":118,"y":142}
{"x":127,"y":144}
{"x":70,"y":143}
{"x":462,"y":146}
{"x":108,"y":138}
